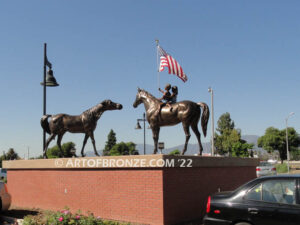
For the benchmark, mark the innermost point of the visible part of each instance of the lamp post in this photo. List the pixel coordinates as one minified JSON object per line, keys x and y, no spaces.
{"x":211,"y":91}
{"x":49,"y":81}
{"x":138,"y":126}
{"x":287,"y":140}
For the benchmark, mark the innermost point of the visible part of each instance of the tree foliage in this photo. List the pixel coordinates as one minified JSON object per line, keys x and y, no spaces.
{"x":123,"y":148}
{"x":275,"y":139}
{"x":54,"y":152}
{"x":111,"y":141}
{"x":10,"y":155}
{"x":228,"y":140}
{"x":175,"y":152}
{"x":225,"y":123}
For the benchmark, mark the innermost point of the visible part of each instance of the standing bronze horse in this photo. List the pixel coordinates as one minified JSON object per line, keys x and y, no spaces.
{"x":86,"y":123}
{"x":185,"y":112}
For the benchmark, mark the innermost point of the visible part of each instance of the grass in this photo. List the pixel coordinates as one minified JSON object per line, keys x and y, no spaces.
{"x":282,"y":168}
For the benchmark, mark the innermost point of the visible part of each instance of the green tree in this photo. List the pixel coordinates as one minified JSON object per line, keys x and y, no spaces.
{"x":275,"y":139}
{"x":67,"y":148}
{"x":123,"y":148}
{"x":11,"y":154}
{"x":228,"y":140}
{"x":175,"y":152}
{"x":240,"y":149}
{"x":225,"y":123}
{"x":111,"y":141}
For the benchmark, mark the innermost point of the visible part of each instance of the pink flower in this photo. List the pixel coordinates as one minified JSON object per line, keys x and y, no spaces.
{"x":98,"y":217}
{"x":77,"y":217}
{"x":66,"y":212}
{"x":61,"y":219}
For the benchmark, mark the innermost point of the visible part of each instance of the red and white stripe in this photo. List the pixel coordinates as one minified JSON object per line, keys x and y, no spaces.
{"x":163,"y":63}
{"x":167,"y":60}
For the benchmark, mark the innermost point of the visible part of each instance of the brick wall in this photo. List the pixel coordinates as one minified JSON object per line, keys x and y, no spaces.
{"x":125,"y":195}
{"x":186,"y":189}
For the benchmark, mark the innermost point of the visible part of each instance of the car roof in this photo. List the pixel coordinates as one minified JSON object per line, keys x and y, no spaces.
{"x":260,"y":179}
{"x":281,"y":176}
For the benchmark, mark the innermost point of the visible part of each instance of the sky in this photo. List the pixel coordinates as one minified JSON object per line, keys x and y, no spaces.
{"x":247,"y":51}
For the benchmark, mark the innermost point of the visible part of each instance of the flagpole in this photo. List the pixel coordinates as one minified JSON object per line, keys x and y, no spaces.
{"x":157,"y":63}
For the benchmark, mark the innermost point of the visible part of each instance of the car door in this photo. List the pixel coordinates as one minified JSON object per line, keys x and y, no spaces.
{"x":289,"y":209}
{"x":259,"y":212}
{"x":273,"y":201}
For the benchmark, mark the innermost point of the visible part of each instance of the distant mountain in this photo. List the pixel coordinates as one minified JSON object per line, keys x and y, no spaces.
{"x":251,"y":139}
{"x":192,"y":148}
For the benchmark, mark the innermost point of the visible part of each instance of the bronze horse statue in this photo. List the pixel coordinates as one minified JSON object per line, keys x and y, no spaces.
{"x":185,"y":112}
{"x":86,"y":123}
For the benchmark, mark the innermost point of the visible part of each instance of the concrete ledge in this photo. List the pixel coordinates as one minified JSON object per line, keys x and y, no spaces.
{"x":136,"y":161}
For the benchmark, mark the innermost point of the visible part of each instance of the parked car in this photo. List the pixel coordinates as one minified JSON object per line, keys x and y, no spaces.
{"x":3,"y":173}
{"x":268,"y":200}
{"x":265,"y":169}
{"x":5,"y":198}
{"x":272,"y":161}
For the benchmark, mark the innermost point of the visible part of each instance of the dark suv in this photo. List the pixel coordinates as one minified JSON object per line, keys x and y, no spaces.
{"x":273,"y":200}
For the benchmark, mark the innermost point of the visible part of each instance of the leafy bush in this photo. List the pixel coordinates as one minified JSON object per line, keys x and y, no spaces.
{"x":54,"y":152}
{"x":123,"y":148}
{"x":65,"y":217}
{"x":281,"y":168}
{"x":175,"y":152}
{"x":295,"y":154}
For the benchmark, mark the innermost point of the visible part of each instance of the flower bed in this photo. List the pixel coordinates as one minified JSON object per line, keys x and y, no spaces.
{"x":65,"y":217}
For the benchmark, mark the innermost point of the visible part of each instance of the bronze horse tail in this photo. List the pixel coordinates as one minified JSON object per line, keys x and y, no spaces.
{"x":45,"y":123}
{"x":205,"y":116}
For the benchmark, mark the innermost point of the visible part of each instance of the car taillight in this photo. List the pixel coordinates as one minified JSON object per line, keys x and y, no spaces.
{"x":5,"y":187}
{"x":274,"y":169}
{"x":208,"y":205}
{"x":258,"y":169}
{"x":217,"y":211}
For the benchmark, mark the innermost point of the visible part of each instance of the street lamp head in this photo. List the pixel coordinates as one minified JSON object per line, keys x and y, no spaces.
{"x":138,"y":126}
{"x":210,"y":89}
{"x":50,"y":79}
{"x":291,"y":113}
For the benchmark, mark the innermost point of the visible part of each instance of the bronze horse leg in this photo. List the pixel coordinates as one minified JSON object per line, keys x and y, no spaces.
{"x":59,"y":137}
{"x":198,"y":135}
{"x":91,"y":134}
{"x":86,"y":137}
{"x":155,"y":133}
{"x":186,"y":129}
{"x":51,"y":137}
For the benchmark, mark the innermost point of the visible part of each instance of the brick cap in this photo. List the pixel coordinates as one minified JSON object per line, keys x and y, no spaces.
{"x":134,"y":161}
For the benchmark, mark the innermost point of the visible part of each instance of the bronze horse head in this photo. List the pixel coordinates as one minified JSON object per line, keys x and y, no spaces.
{"x":185,"y":112}
{"x":86,"y":123}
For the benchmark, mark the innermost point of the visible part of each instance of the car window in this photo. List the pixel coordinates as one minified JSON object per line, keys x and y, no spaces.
{"x":264,"y":164}
{"x":276,"y":191}
{"x":3,"y":170}
{"x":254,"y":193}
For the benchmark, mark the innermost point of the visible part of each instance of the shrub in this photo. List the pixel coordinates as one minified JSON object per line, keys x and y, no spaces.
{"x":175,"y":152}
{"x":65,"y":217}
{"x":281,"y":168}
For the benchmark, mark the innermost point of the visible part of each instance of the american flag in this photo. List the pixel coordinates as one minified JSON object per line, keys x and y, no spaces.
{"x":167,"y":60}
